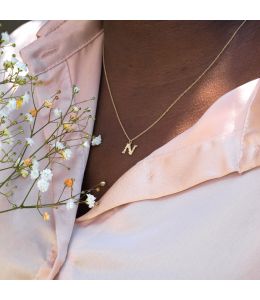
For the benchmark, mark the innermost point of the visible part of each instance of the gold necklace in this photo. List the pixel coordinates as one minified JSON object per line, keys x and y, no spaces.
{"x":129,"y":148}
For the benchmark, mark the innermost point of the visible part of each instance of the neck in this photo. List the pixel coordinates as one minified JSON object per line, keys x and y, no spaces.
{"x":158,"y":61}
{"x":146,"y":47}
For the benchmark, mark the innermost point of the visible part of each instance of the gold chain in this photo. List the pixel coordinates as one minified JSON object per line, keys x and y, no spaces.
{"x":130,"y":140}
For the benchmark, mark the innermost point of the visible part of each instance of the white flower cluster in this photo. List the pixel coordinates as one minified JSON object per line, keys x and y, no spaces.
{"x":90,"y":200}
{"x":65,"y":153}
{"x":96,"y":140}
{"x":44,"y":180}
{"x":35,"y":169}
{"x":20,"y":130}
{"x":70,"y":204}
{"x":57,"y":112}
{"x":29,"y":141}
{"x":29,"y":118}
{"x":44,"y":177}
{"x":58,"y":145}
{"x":19,"y":65}
{"x":11,"y":105}
{"x":76,"y":89}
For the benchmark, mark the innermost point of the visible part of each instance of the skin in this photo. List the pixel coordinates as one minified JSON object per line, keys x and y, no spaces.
{"x":149,"y":63}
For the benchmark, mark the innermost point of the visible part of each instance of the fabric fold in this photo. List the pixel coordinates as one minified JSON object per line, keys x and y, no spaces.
{"x":223,"y":132}
{"x":226,"y":139}
{"x":77,"y":46}
{"x":57,"y":41}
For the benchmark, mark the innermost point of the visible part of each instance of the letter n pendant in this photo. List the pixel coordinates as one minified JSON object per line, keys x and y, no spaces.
{"x":130,"y":149}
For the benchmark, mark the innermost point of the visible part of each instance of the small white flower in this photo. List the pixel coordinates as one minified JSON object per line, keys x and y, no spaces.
{"x":29,"y":118}
{"x":43,"y":185}
{"x":29,"y":141}
{"x":35,"y":164}
{"x":34,"y":173}
{"x":75,"y":109}
{"x":67,"y":153}
{"x":59,"y":145}
{"x":70,"y":204}
{"x":76,"y":89}
{"x":5,"y":38}
{"x":24,"y":173}
{"x":86,"y":144}
{"x":26,"y":98}
{"x":11,"y":105}
{"x":96,"y":140}
{"x":57,"y":112}
{"x":48,"y":103}
{"x":46,"y":174}
{"x":35,"y":169}
{"x":21,"y":66}
{"x":90,"y":200}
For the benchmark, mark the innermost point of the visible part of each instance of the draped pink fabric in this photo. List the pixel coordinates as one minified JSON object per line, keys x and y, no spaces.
{"x":189,"y":210}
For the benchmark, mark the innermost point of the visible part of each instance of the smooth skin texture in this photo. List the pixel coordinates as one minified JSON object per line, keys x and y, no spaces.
{"x":149,"y":63}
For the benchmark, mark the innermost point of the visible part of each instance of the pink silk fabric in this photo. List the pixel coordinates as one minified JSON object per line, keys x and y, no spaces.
{"x":189,"y":210}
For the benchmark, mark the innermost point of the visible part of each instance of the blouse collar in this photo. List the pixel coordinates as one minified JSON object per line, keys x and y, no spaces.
{"x":58,"y":40}
{"x":226,"y":138}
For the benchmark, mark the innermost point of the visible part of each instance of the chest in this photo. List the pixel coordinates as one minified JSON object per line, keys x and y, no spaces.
{"x":139,"y":105}
{"x":108,"y":161}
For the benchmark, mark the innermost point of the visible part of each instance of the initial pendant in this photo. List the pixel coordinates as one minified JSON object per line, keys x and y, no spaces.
{"x":130,"y":149}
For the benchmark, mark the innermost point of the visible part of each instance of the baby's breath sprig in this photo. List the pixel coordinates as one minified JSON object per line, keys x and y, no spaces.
{"x":25,"y":157}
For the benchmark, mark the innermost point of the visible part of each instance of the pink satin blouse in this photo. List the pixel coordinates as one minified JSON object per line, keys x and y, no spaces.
{"x":189,"y":210}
